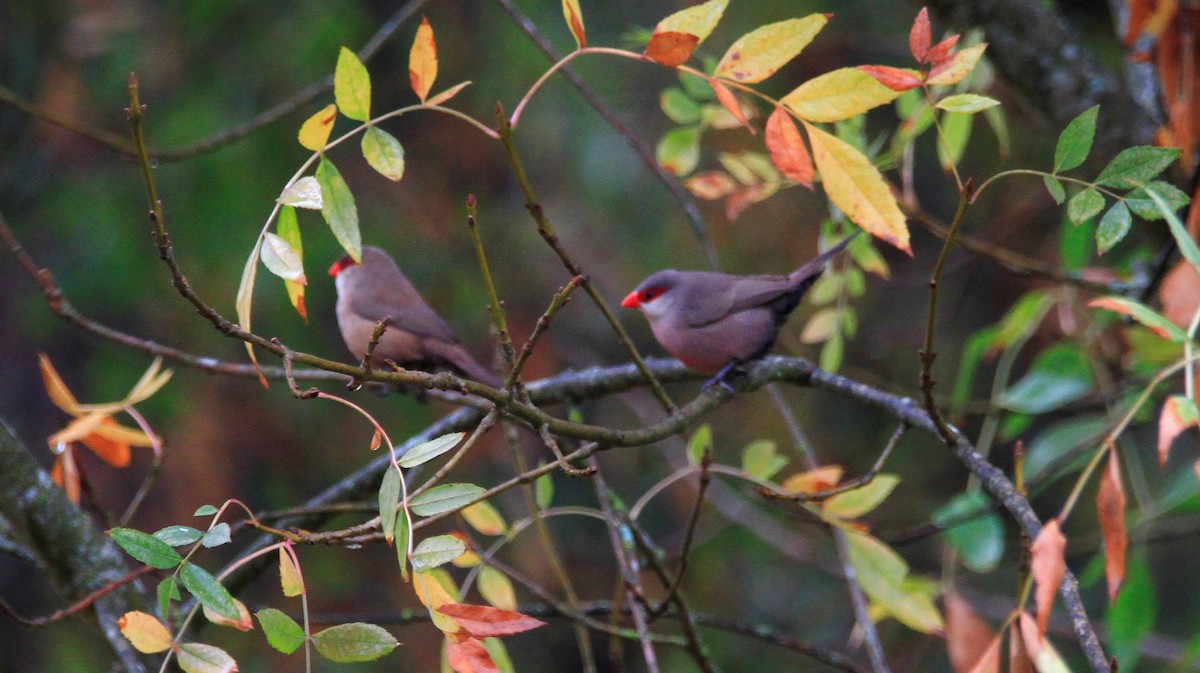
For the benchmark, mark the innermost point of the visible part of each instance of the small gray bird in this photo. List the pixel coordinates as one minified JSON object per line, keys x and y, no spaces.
{"x":416,"y":337}
{"x":712,"y":322}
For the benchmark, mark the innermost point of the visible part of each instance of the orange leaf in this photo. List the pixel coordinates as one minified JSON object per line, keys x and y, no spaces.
{"x":1180,"y":290}
{"x":422,"y":60}
{"x":710,"y":185}
{"x":469,"y":656}
{"x":730,"y":102}
{"x":60,"y":394}
{"x":941,"y":50}
{"x":670,"y":48}
{"x":1018,"y":656}
{"x":115,"y":453}
{"x":1048,"y":567}
{"x":970,"y":642}
{"x":1178,"y":414}
{"x":65,"y":473}
{"x":574,"y":18}
{"x":1110,"y":506}
{"x":744,"y":198}
{"x":819,"y":479}
{"x":296,"y":296}
{"x":920,"y":37}
{"x":787,"y":149}
{"x":896,"y":79}
{"x":956,"y":68}
{"x":485,"y":621}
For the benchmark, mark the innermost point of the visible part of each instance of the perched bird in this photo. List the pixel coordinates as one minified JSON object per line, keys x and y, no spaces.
{"x":416,"y":336}
{"x":714,"y":321}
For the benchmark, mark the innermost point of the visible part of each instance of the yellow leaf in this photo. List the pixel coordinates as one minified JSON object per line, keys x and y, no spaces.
{"x":59,"y":393}
{"x":242,"y":623}
{"x":314,"y":132}
{"x":574,"y":18}
{"x":422,"y":60}
{"x":858,"y":502}
{"x":855,"y":186}
{"x":119,"y":433}
{"x":144,"y":632}
{"x":245,"y":301}
{"x":958,"y":67}
{"x":756,"y":55}
{"x":77,"y":429}
{"x":837,"y":95}
{"x":430,"y":587}
{"x":290,"y":578}
{"x":485,"y":518}
{"x":447,"y":94}
{"x":820,"y":479}
{"x":698,"y":20}
{"x":497,"y":589}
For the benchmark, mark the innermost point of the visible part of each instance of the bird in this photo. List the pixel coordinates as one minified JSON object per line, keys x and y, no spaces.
{"x":416,"y":336}
{"x":713,"y":322}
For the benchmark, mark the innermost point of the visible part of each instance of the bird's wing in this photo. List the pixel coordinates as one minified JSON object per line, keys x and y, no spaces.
{"x":737,"y":293}
{"x":419,"y":319}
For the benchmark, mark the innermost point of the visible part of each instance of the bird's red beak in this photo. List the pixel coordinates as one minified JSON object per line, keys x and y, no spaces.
{"x":340,"y":265}
{"x":632,"y":301}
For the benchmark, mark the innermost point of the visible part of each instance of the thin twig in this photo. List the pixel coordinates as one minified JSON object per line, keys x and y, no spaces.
{"x":848,"y":485}
{"x":78,"y":606}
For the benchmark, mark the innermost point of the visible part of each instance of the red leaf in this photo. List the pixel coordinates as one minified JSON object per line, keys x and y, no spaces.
{"x":787,"y":149}
{"x":1110,"y":505}
{"x":112,"y":452}
{"x":1180,"y":290}
{"x":469,"y":656}
{"x":670,"y":48}
{"x":485,"y":621}
{"x":1178,"y":414}
{"x":970,"y":642}
{"x":919,"y":37}
{"x":941,"y":51}
{"x":896,"y":79}
{"x":730,"y":102}
{"x":710,"y":185}
{"x":1048,"y":567}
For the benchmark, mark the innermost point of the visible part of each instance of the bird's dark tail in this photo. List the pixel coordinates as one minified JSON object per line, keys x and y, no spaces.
{"x":808,"y":273}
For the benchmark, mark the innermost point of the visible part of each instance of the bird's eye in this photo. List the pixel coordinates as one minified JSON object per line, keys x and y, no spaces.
{"x":651,"y":294}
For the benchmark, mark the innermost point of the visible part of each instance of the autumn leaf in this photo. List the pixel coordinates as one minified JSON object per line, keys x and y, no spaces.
{"x":1143,"y":314}
{"x":574,"y":18}
{"x":242,"y":623}
{"x":787,"y":148}
{"x":290,"y":580}
{"x":698,"y":20}
{"x":711,"y":185}
{"x":468,"y":655}
{"x":433,"y":594}
{"x":145,"y":632}
{"x":815,"y":480}
{"x":65,"y":473}
{"x":289,"y":231}
{"x":314,"y":132}
{"x":1178,"y":414}
{"x":485,"y":621}
{"x":422,"y":60}
{"x":59,"y":393}
{"x":957,"y":67}
{"x":939,"y":52}
{"x":920,"y":37}
{"x":1110,"y":508}
{"x":896,"y":79}
{"x":758,"y":54}
{"x":112,"y":451}
{"x":1047,"y":567}
{"x":730,"y":102}
{"x":971,"y":644}
{"x":670,"y":48}
{"x":838,"y":95}
{"x":1045,"y":658}
{"x":446,"y":95}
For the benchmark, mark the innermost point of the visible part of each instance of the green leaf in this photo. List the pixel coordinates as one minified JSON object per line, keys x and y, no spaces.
{"x":1075,"y":142}
{"x":972,"y":354}
{"x":1059,"y":375}
{"x":216,"y":536}
{"x":427,"y":451}
{"x":352,"y":86}
{"x":167,"y":590}
{"x":700,"y":443}
{"x":177,"y":536}
{"x":282,"y":632}
{"x":1113,"y":227}
{"x":338,"y":209}
{"x":1055,"y":188}
{"x":1132,"y":616}
{"x":1052,"y":446}
{"x":1187,"y":245}
{"x":384,"y":153}
{"x":1023,"y":318}
{"x":389,"y":499}
{"x":211,"y":594}
{"x":883,"y":576}
{"x":858,"y":502}
{"x":1084,"y":205}
{"x":543,"y":490}
{"x":973,"y":530}
{"x":434,"y":551}
{"x":444,"y":498}
{"x":1075,"y":247}
{"x":403,"y":532}
{"x":205,"y":510}
{"x":966,"y":103}
{"x":1136,"y":166}
{"x":956,"y":131}
{"x":1146,"y":208}
{"x":760,"y":459}
{"x":358,"y":641}
{"x":832,"y":353}
{"x":146,"y":548}
{"x":679,"y":150}
{"x":1143,"y":314}
{"x":678,"y":106}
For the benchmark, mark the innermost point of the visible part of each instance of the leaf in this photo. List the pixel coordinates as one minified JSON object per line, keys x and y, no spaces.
{"x":497,"y":589}
{"x":384,"y":153}
{"x":972,"y":644}
{"x":144,"y":632}
{"x":352,"y":86}
{"x":857,"y":502}
{"x":389,"y":500}
{"x":314,"y":132}
{"x":423,"y":60}
{"x":956,"y":131}
{"x":1048,"y":565}
{"x":201,"y":658}
{"x":1113,"y":227}
{"x":469,"y":655}
{"x":939,"y":52}
{"x":1060,"y":374}
{"x":484,"y":621}
{"x":758,"y":54}
{"x":679,"y":150}
{"x":698,"y":20}
{"x":730,"y":102}
{"x":242,"y":623}
{"x":920,"y":37}
{"x":1178,"y":414}
{"x":1084,"y":205}
{"x":814,"y":480}
{"x":1135,"y":166}
{"x":966,"y":103}
{"x":403,"y":537}
{"x":896,"y":79}
{"x":1075,"y":142}
{"x":1183,"y":238}
{"x":434,"y":588}
{"x":700,"y":444}
{"x":435,"y":551}
{"x":837,"y":95}
{"x":1045,"y":658}
{"x":1110,"y":509}
{"x":281,"y":260}
{"x":574,"y":18}
{"x":59,"y":393}
{"x":882,"y":574}
{"x":760,"y":459}
{"x":427,"y":451}
{"x":245,"y":301}
{"x":678,"y":106}
{"x":858,"y":189}
{"x":216,"y":536}
{"x":208,"y":590}
{"x":1131,"y":617}
{"x":438,"y":99}
{"x":146,"y":548}
{"x":282,"y":632}
{"x":1143,"y":314}
{"x":822,"y":326}
{"x":787,"y":149}
{"x":1144,"y":206}
{"x":115,"y":452}
{"x":957,"y":67}
{"x":444,"y":498}
{"x":711,"y":185}
{"x":338,"y":209}
{"x":671,"y":49}
{"x":290,"y":580}
{"x":1056,"y":190}
{"x":485,"y":518}
{"x":167,"y":591}
{"x":357,"y":641}
{"x":976,"y":533}
{"x":289,"y":230}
